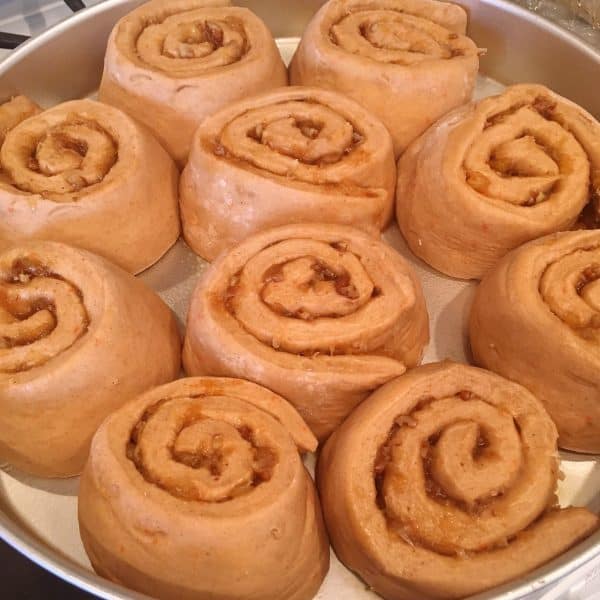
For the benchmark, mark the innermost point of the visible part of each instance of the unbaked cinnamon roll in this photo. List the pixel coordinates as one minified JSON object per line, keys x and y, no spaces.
{"x":196,"y":490}
{"x":407,"y":61}
{"x":293,"y":155}
{"x":171,"y":63}
{"x":86,"y":174}
{"x":442,"y":484}
{"x":536,"y":320}
{"x":321,"y":314}
{"x":496,"y":174}
{"x":78,"y":338}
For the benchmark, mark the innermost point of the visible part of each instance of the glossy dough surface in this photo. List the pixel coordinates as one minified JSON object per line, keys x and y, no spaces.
{"x":493,"y":175}
{"x":196,"y":489}
{"x":407,"y":61}
{"x":293,"y":155}
{"x":321,"y":314}
{"x":442,"y":484}
{"x":86,"y":174}
{"x":536,"y":320}
{"x":171,"y":63}
{"x":78,"y":338}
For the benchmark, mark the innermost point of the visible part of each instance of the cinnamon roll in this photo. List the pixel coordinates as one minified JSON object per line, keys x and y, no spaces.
{"x":196,"y":490}
{"x":293,"y":155}
{"x":78,"y":337}
{"x":442,"y":484}
{"x":408,"y":61}
{"x":496,"y":174}
{"x":321,"y":314}
{"x":171,"y":63}
{"x":536,"y":320}
{"x":86,"y":174}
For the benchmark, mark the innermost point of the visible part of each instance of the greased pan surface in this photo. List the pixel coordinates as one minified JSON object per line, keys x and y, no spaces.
{"x":38,"y":517}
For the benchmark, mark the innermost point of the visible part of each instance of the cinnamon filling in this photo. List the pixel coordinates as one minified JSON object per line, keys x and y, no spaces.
{"x":339,"y":246}
{"x":590,"y":274}
{"x":396,"y":37}
{"x":542,"y":105}
{"x":545,"y":107}
{"x":212,"y":455}
{"x":434,"y":490}
{"x":323,"y":272}
{"x":590,"y":217}
{"x":343,"y":284}
{"x":28,"y":310}
{"x":309,"y":129}
{"x":382,"y":459}
{"x":213,"y":34}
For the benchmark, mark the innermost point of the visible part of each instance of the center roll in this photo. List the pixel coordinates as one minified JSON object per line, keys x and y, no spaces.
{"x":321,"y":314}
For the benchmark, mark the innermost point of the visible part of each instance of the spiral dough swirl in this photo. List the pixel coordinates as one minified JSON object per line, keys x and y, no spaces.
{"x":327,"y":156}
{"x":41,"y":315}
{"x":448,"y":477}
{"x":86,"y":174}
{"x":207,"y":464}
{"x":197,"y":450}
{"x":513,"y":167}
{"x":59,"y":160}
{"x":571,"y":289}
{"x":172,"y":63}
{"x":322,"y":309}
{"x":187,"y":43}
{"x":546,"y":304}
{"x":407,"y":61}
{"x":392,"y":36}
{"x":74,"y":337}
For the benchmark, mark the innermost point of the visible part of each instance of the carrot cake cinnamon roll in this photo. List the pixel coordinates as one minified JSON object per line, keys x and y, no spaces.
{"x":408,"y":61}
{"x":321,"y":314}
{"x":294,"y":155}
{"x":536,"y":320}
{"x":442,"y":485}
{"x":86,"y":174}
{"x":196,"y":489}
{"x":78,"y":338}
{"x":171,"y":63}
{"x":496,"y":174}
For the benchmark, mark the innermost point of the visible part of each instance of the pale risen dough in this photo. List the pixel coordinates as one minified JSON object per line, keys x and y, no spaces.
{"x":171,"y":63}
{"x":196,"y":489}
{"x":536,"y":320}
{"x":78,"y":338}
{"x":293,"y":155}
{"x":86,"y":174}
{"x":442,"y":485}
{"x":321,"y":314}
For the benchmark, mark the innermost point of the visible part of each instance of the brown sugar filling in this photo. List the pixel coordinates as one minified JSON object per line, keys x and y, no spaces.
{"x":264,"y":463}
{"x":322,"y":272}
{"x":21,"y":272}
{"x":310,"y":129}
{"x":433,"y":489}
{"x":590,"y":274}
